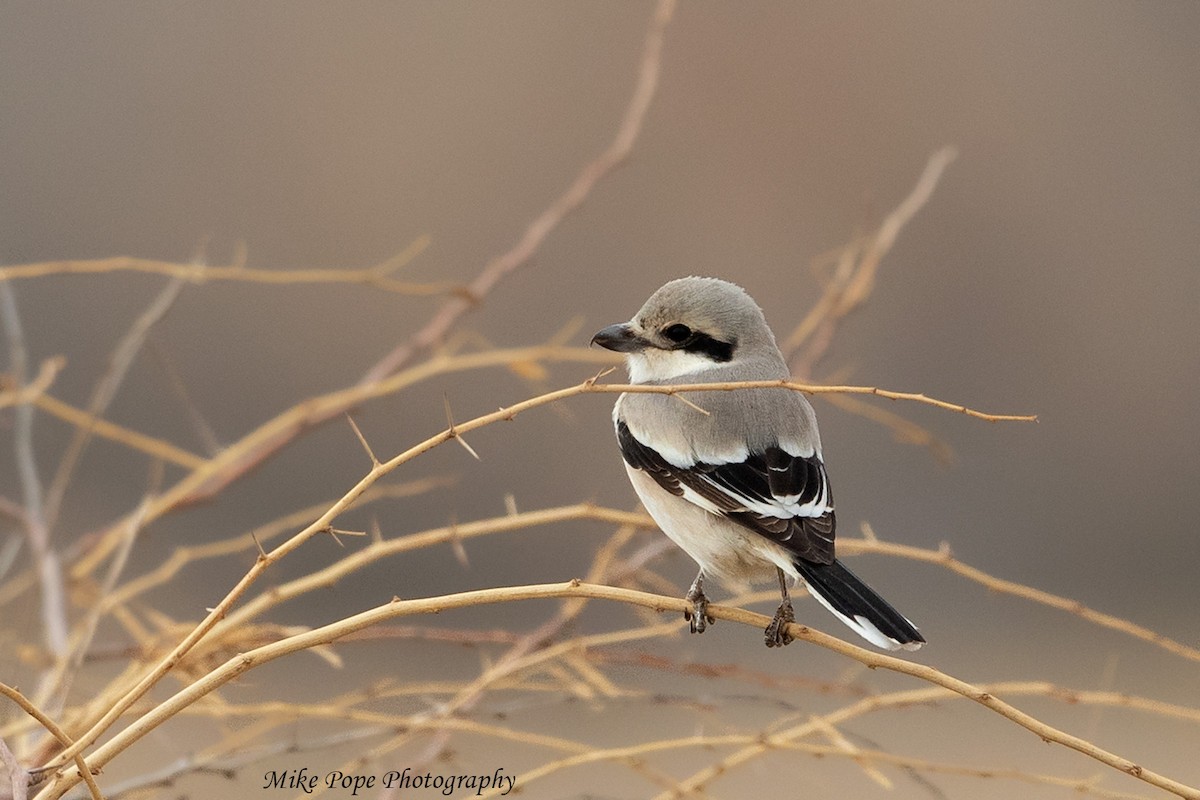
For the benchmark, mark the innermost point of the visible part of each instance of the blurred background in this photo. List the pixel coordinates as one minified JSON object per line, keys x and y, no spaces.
{"x":1054,"y":271}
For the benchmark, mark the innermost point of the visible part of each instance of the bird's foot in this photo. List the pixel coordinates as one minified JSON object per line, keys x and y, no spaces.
{"x":776,"y":632}
{"x":698,"y":614}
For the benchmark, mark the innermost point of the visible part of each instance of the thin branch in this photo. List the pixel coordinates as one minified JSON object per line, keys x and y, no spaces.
{"x":200,"y":426}
{"x":809,"y":388}
{"x":362,"y":440}
{"x":454,"y":434}
{"x":56,"y":681}
{"x":155,"y":448}
{"x":524,"y":250}
{"x":188,"y":554}
{"x":375,"y":277}
{"x":45,"y":557}
{"x":106,"y":389}
{"x":943,"y":557}
{"x":854,"y":279}
{"x":330,"y":574}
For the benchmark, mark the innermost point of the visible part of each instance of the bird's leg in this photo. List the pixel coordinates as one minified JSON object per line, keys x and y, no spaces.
{"x":776,"y":632}
{"x":698,"y":614}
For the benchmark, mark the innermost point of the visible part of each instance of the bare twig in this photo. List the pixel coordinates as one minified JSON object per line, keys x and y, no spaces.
{"x":855,"y":275}
{"x":496,"y":269}
{"x":375,"y":277}
{"x":808,"y":388}
{"x":203,"y":430}
{"x":943,"y":557}
{"x":106,"y":389}
{"x":788,"y":737}
{"x":362,"y":440}
{"x":45,"y":558}
{"x":57,"y":680}
{"x":184,"y":555}
{"x":156,"y":448}
{"x":387,"y":548}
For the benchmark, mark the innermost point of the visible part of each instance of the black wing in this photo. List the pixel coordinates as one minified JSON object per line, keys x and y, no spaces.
{"x":783,"y":497}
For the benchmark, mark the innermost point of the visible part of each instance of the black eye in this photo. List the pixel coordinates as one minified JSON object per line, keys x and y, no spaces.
{"x":677,"y":333}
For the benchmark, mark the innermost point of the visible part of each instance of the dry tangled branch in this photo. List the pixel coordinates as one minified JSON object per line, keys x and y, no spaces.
{"x":243,"y":662}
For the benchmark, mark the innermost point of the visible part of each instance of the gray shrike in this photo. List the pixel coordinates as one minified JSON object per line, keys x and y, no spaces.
{"x":741,"y":488}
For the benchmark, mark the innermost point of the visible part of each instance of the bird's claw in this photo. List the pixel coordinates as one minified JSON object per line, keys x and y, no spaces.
{"x":698,"y":614}
{"x":776,"y":633}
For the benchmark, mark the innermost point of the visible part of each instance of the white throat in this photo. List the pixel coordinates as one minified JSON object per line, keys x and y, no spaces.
{"x":653,"y":364}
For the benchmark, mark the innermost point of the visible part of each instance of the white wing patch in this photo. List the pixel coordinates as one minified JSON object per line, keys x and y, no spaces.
{"x":815,"y":503}
{"x":783,"y":507}
{"x":691,"y":496}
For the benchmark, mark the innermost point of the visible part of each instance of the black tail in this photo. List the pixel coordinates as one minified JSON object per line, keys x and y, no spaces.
{"x":857,"y":605}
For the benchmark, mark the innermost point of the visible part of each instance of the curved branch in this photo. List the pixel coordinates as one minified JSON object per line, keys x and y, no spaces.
{"x":244,"y":662}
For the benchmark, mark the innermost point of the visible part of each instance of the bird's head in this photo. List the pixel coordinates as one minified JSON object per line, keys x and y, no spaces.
{"x":689,"y":325}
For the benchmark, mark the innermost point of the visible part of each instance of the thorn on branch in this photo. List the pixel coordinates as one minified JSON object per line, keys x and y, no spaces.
{"x":335,"y":531}
{"x":590,"y":382}
{"x":453,"y":433}
{"x":691,"y":405}
{"x":363,"y":441}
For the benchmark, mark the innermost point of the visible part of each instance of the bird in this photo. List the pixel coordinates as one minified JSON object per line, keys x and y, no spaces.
{"x":735,"y":478}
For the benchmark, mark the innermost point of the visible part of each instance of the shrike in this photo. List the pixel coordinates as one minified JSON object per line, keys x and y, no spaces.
{"x":738,"y":483}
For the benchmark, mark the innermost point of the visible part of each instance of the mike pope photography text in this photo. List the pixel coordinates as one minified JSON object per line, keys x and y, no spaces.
{"x":353,"y":783}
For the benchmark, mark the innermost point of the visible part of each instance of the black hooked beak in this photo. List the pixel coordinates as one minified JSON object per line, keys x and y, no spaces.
{"x":619,"y":337}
